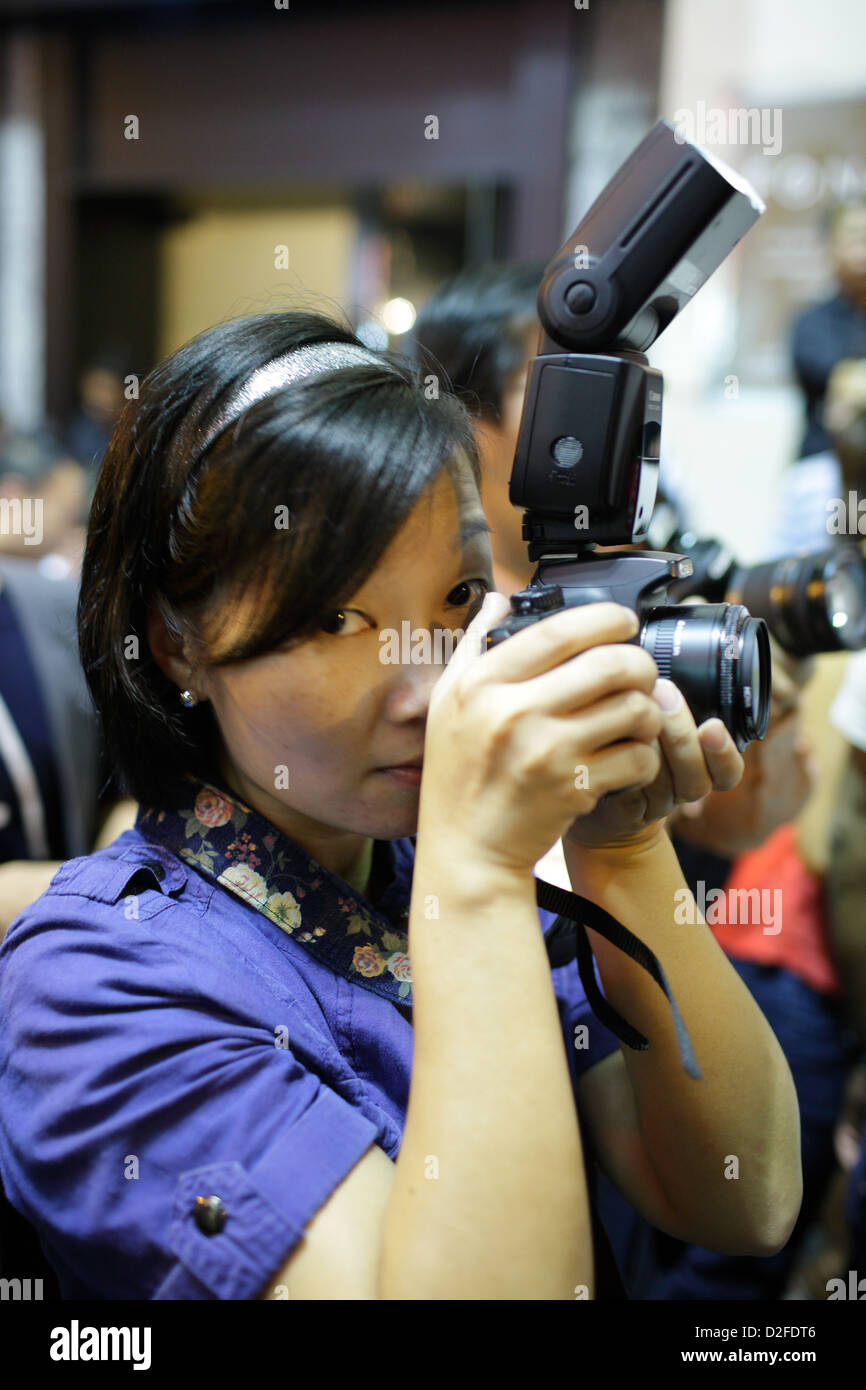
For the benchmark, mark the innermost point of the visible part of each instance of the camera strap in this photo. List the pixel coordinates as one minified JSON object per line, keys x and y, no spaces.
{"x":567,"y":939}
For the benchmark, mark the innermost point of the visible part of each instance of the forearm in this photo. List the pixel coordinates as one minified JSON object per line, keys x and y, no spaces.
{"x":22,"y":881}
{"x":491,"y":1109}
{"x":745,"y":1106}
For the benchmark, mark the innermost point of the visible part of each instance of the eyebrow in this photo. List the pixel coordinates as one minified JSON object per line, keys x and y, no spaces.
{"x":476,"y":527}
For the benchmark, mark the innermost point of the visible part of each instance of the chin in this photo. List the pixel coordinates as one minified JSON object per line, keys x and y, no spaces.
{"x":395,"y":827}
{"x":389,"y":824}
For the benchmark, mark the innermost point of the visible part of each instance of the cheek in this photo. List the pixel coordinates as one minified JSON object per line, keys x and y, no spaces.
{"x":294,"y":719}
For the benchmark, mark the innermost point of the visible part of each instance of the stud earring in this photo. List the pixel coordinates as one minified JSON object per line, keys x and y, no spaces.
{"x":188,"y":698}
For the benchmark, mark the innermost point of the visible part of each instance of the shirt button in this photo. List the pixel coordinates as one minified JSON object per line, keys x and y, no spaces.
{"x":210,"y":1215}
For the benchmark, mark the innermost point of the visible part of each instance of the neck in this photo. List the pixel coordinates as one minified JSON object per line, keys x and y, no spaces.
{"x":343,"y":852}
{"x":358,"y":876}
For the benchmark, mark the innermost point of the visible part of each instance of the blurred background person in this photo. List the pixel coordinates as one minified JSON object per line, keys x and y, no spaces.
{"x":56,"y":798}
{"x":846,"y":877}
{"x":44,"y":501}
{"x":100,"y":401}
{"x":846,"y":891}
{"x":480,"y":329}
{"x":814,"y":501}
{"x":835,"y":329}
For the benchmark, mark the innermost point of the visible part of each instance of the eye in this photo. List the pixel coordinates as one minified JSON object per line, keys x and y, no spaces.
{"x":480,"y":586}
{"x":338,"y":623}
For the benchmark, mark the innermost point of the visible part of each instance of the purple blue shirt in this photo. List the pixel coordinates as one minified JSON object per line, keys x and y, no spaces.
{"x":202,"y":1030}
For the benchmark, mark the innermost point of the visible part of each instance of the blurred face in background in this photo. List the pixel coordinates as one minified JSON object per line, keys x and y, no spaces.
{"x":848,"y":248}
{"x":56,"y":525}
{"x":101,"y":394}
{"x":845,"y":419}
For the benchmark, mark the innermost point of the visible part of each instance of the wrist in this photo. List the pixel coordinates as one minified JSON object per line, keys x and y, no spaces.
{"x":465,"y":873}
{"x":636,"y":846}
{"x":629,"y":881}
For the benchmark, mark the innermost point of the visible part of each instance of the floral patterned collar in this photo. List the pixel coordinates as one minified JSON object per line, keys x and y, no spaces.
{"x":238,"y":848}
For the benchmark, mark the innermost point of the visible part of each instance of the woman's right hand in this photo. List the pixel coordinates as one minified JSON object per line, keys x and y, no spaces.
{"x":527,"y":736}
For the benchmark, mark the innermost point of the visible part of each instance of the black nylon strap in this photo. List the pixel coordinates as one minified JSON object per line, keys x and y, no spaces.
{"x":567,"y":938}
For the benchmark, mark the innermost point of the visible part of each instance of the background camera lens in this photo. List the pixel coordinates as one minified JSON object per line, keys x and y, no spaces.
{"x":812,"y":603}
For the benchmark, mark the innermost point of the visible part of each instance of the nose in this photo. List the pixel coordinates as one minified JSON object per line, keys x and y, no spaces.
{"x":414,"y":670}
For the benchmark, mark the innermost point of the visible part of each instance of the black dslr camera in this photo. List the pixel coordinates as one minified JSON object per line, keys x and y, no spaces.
{"x":587,"y":459}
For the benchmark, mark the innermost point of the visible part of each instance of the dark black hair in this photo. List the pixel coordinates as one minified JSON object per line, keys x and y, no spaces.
{"x":473,"y":328}
{"x":348,"y":453}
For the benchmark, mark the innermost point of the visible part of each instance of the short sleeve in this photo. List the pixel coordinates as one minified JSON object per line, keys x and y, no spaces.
{"x":268,"y":1199}
{"x":164,"y":1143}
{"x":848,"y":710}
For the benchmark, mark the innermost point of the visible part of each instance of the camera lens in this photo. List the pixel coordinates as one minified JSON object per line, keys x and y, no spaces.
{"x":813,"y":603}
{"x":718,"y":656}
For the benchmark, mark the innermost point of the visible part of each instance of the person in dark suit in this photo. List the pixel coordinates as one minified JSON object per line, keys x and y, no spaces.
{"x":55,"y":789}
{"x":836,"y":329}
{"x":57,"y":798}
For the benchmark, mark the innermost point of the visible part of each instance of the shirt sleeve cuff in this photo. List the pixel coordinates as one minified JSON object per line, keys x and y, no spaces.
{"x":267,"y":1204}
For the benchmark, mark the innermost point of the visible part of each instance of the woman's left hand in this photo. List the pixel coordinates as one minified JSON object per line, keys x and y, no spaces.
{"x":693,"y":762}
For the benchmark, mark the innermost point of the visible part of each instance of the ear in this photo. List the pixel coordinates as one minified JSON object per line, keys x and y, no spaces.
{"x":167,"y":650}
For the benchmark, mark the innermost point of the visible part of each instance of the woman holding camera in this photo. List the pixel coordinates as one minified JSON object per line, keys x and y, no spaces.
{"x":266,"y":1045}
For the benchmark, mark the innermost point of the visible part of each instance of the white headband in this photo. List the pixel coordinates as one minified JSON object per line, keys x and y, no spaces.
{"x":312,"y":360}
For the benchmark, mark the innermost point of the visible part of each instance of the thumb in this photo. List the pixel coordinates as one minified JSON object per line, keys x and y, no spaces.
{"x":473,"y":643}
